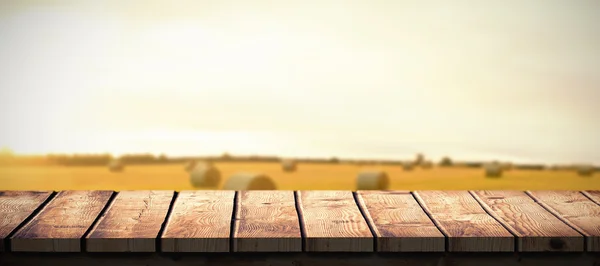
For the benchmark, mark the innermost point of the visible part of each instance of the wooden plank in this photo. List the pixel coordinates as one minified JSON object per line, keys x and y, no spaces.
{"x":15,"y":208}
{"x":399,"y":223}
{"x":60,"y":225}
{"x":464,"y":222}
{"x":200,"y":221}
{"x":574,"y":209}
{"x":332,"y":222}
{"x":536,"y":229}
{"x":131,"y":223}
{"x":593,"y":195}
{"x":266,"y":221}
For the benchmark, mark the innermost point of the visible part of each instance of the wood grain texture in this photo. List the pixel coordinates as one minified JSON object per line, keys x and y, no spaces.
{"x":593,"y":195}
{"x":200,"y":221}
{"x":399,"y":223}
{"x":266,"y":221}
{"x":332,"y":222}
{"x":16,"y":207}
{"x":464,"y":222}
{"x":61,"y":224}
{"x":536,"y":228}
{"x":131,"y":223}
{"x":576,"y":210}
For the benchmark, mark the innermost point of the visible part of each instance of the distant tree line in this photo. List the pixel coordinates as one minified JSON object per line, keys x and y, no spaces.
{"x":7,"y":157}
{"x":79,"y":159}
{"x":104,"y":159}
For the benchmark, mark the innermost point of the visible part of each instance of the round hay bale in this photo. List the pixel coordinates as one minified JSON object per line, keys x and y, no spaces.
{"x":493,"y":170}
{"x":116,"y":166}
{"x":408,"y":166}
{"x":289,"y":165}
{"x":585,"y":170}
{"x":249,"y":181}
{"x":372,"y":180}
{"x":205,"y":175}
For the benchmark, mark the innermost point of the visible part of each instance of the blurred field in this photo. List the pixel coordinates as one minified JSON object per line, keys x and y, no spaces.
{"x":308,"y":177}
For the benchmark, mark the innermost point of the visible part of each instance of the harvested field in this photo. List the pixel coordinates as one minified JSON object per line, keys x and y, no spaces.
{"x":308,"y":177}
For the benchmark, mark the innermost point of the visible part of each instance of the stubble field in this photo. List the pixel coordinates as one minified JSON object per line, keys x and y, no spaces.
{"x":307,"y":177}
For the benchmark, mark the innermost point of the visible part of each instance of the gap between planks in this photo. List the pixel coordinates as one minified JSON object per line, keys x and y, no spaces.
{"x":398,"y":223}
{"x":593,"y":195}
{"x":5,"y":244}
{"x":536,"y":229}
{"x":372,"y":227}
{"x":62,"y":223}
{"x":575,"y":210}
{"x":465,"y":224}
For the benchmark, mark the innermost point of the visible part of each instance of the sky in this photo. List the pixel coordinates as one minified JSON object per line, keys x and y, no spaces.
{"x":507,"y":80}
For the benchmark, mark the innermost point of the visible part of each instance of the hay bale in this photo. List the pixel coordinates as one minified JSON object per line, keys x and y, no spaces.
{"x":289,"y":165}
{"x":408,"y":166}
{"x":249,"y":181}
{"x":205,"y":174}
{"x":116,"y":166}
{"x":585,"y":170}
{"x":493,"y":170}
{"x":372,"y":180}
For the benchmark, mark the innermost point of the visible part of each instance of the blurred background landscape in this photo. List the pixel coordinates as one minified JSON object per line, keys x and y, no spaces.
{"x":158,"y":84}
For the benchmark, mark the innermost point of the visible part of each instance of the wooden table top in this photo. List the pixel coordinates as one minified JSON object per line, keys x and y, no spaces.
{"x":300,"y":221}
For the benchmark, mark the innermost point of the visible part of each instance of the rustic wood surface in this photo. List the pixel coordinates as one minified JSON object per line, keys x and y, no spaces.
{"x":536,"y":228}
{"x":266,"y":221}
{"x":131,"y":223}
{"x":332,"y":222}
{"x":200,"y":221}
{"x":255,"y":222}
{"x":61,"y":224}
{"x":576,"y":210}
{"x":593,"y":195}
{"x":16,"y":207}
{"x":399,"y":223}
{"x":464,"y":222}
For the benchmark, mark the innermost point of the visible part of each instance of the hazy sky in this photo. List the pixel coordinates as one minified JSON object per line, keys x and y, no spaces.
{"x":493,"y":79}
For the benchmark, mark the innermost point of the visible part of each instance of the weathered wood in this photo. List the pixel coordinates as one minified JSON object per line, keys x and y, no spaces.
{"x":16,"y":207}
{"x":593,"y":195}
{"x":576,"y":210}
{"x":61,"y":224}
{"x":131,"y":223}
{"x":464,"y":222}
{"x":266,"y":221}
{"x":332,"y":222}
{"x":399,"y":223}
{"x":536,"y":229}
{"x":200,"y":221}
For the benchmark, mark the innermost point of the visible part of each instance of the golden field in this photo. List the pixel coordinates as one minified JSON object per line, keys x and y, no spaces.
{"x":307,"y":177}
